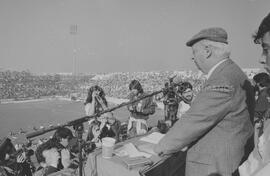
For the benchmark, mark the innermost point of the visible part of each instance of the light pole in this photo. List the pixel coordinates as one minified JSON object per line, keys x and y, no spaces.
{"x":73,"y":32}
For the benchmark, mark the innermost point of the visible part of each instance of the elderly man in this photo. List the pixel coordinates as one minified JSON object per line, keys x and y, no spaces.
{"x":218,"y":124}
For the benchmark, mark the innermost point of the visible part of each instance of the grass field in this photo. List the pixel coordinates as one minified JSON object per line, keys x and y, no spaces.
{"x":14,"y":117}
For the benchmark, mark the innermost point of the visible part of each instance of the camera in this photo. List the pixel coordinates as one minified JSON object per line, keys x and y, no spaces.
{"x":172,"y":97}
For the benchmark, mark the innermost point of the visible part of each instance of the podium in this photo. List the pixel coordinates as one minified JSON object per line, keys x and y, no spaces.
{"x":173,"y":165}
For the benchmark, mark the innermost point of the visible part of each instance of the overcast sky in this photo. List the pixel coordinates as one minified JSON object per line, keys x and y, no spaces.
{"x":121,"y":35}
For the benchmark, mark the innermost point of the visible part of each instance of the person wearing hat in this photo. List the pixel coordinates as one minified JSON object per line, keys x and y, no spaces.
{"x":218,"y":124}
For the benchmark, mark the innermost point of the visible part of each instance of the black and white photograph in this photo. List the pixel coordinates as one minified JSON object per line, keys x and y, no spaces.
{"x":134,"y":87}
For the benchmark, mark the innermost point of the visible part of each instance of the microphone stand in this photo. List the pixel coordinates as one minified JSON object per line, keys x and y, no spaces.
{"x":79,"y":131}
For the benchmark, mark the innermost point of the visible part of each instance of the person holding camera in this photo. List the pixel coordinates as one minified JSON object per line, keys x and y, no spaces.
{"x":186,"y":94}
{"x":48,"y":155}
{"x":12,"y":161}
{"x":262,"y":83}
{"x":219,"y":123}
{"x":66,"y":139}
{"x":106,"y":126}
{"x":96,"y":101}
{"x":139,"y":111}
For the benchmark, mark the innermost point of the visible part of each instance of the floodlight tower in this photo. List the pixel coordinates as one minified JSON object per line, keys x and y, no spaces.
{"x":73,"y":32}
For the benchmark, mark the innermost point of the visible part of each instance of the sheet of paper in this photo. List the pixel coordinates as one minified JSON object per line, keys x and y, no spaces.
{"x":147,"y":147}
{"x":153,"y":138}
{"x":130,"y":150}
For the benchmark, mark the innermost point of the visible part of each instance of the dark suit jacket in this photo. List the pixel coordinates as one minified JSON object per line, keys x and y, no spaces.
{"x":217,"y":126}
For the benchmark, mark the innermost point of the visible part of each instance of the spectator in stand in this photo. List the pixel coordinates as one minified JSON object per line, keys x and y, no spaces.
{"x":139,"y":111}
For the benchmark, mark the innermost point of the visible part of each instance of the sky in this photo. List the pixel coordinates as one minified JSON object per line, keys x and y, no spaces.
{"x":121,"y":35}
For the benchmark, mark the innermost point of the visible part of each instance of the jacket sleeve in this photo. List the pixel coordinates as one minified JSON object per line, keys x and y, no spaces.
{"x":210,"y":107}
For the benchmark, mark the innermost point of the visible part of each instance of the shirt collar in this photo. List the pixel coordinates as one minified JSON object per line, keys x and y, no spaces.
{"x":213,"y":68}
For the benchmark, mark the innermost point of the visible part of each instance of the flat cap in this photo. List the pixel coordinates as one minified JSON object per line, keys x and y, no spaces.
{"x":215,"y":34}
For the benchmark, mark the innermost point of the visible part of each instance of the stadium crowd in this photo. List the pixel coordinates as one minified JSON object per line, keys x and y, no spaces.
{"x":20,"y":85}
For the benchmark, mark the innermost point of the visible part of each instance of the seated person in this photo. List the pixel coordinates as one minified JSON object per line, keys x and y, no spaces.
{"x":139,"y":111}
{"x":105,"y":126}
{"x":63,"y":135}
{"x":112,"y":127}
{"x":12,"y":161}
{"x":65,"y":138}
{"x":48,"y":155}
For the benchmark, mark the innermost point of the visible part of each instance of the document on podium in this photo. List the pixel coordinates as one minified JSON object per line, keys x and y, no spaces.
{"x":153,"y":138}
{"x":130,"y":150}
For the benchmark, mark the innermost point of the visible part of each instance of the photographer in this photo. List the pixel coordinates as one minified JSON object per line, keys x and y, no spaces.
{"x":106,"y":126}
{"x":177,"y":99}
{"x":139,"y":111}
{"x":96,"y":101}
{"x":65,"y":138}
{"x":186,"y":94}
{"x":48,"y":155}
{"x":12,"y":161}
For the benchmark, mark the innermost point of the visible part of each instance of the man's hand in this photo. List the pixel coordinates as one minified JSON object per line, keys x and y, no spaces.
{"x":21,"y":158}
{"x":130,"y":108}
{"x":139,"y":107}
{"x":65,"y":158}
{"x":95,"y":94}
